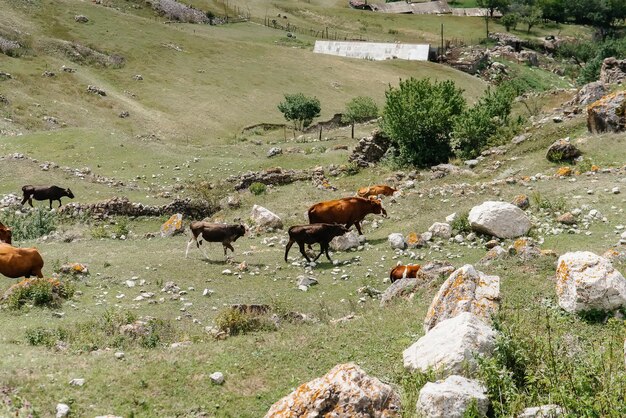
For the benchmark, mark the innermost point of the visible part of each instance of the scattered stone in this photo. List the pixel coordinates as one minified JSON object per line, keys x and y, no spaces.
{"x":495,"y":253}
{"x":589,"y":93}
{"x":370,"y":149}
{"x":396,"y":241}
{"x":466,"y":290}
{"x":525,"y":248}
{"x":66,"y":69}
{"x":119,"y":355}
{"x":124,"y":114}
{"x":471,"y":163}
{"x":74,"y":268}
{"x":96,"y":90}
{"x":452,"y":217}
{"x":567,"y":218}
{"x":77,"y":382}
{"x":137,"y":77}
{"x":81,"y":19}
{"x":613,"y":71}
{"x":62,"y":410}
{"x":544,"y":411}
{"x":217,"y":378}
{"x":345,"y":391}
{"x":173,"y":226}
{"x":274,"y":151}
{"x":307,"y":281}
{"x":415,"y":240}
{"x":345,"y":241}
{"x":492,"y":244}
{"x":499,"y":219}
{"x":586,"y":281}
{"x":562,"y":150}
{"x":564,"y":171}
{"x":48,"y":74}
{"x":451,"y":345}
{"x":437,"y":269}
{"x":615,"y":190}
{"x":450,"y":398}
{"x":405,"y":288}
{"x":441,"y":230}
{"x":557,"y":119}
{"x":265,"y":219}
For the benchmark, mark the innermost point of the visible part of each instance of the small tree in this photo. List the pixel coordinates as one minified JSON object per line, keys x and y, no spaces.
{"x":418,"y":118}
{"x":510,"y":21}
{"x":360,"y":109}
{"x":493,"y":5}
{"x":531,"y":16}
{"x":300,"y":109}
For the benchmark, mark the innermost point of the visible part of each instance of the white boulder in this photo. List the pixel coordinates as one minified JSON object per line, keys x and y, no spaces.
{"x":466,"y":290}
{"x":345,"y":391}
{"x":450,"y":398}
{"x":450,"y":345}
{"x":217,"y":378}
{"x":441,"y":230}
{"x":587,"y":281}
{"x":265,"y":219}
{"x":62,"y":410}
{"x":544,"y":411}
{"x":396,"y":241}
{"x":499,"y":219}
{"x":345,"y":241}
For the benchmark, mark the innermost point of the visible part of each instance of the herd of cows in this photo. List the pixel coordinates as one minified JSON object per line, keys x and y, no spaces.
{"x":327,"y":220}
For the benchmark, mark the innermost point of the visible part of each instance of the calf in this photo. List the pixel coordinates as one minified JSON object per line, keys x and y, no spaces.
{"x":403,"y":272}
{"x":375,"y":191}
{"x":45,"y":193}
{"x":20,"y":262}
{"x":5,"y":234}
{"x":312,"y":234}
{"x":226,"y":234}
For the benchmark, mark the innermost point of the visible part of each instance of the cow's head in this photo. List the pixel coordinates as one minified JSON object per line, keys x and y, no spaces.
{"x":69,"y":193}
{"x":377,"y":207}
{"x":5,"y":234}
{"x":241,"y":230}
{"x":340,"y":229}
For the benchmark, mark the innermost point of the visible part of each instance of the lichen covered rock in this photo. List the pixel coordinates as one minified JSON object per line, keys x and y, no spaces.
{"x":450,"y":398}
{"x":345,"y":391}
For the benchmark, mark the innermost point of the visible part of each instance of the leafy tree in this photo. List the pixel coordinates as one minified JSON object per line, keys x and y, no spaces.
{"x":300,"y":109}
{"x":493,"y":5}
{"x":510,"y":21}
{"x":359,"y":109}
{"x":476,"y":125}
{"x":419,"y":117}
{"x":531,"y":16}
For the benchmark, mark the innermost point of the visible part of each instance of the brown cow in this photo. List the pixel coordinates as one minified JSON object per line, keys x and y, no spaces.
{"x":20,"y":262}
{"x":312,"y":234}
{"x":5,"y":234}
{"x":349,"y":211}
{"x":226,"y":234}
{"x":375,"y":191}
{"x":403,"y":272}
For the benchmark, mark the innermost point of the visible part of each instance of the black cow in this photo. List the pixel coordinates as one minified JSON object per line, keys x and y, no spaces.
{"x":312,"y":234}
{"x":45,"y":193}
{"x":226,"y":234}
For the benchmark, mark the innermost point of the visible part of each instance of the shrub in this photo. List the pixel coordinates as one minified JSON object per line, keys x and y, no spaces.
{"x":547,"y":204}
{"x":510,"y":21}
{"x":233,"y":322}
{"x":33,"y":224}
{"x":99,"y":232}
{"x":121,"y":227}
{"x":39,"y":292}
{"x":358,"y":110}
{"x":40,"y":336}
{"x":461,"y":224}
{"x":257,"y":188}
{"x":418,"y":118}
{"x":205,"y":190}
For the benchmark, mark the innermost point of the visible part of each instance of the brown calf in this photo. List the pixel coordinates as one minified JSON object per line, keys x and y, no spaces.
{"x":312,"y":234}
{"x":226,"y":234}
{"x":375,"y":191}
{"x":5,"y":234}
{"x":403,"y":272}
{"x":349,"y":211}
{"x":20,"y":262}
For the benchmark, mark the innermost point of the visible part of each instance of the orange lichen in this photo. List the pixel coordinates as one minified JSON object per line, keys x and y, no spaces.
{"x":564,"y":171}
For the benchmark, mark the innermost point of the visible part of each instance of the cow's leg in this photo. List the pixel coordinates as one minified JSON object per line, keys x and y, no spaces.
{"x":288,"y":247}
{"x":321,"y":251}
{"x":326,"y":251}
{"x":37,"y":272}
{"x":202,"y":249}
{"x":227,"y":246}
{"x":24,"y":199}
{"x":30,"y":201}
{"x":59,"y":202}
{"x":191,"y":240}
{"x":50,"y":204}
{"x":301,"y":245}
{"x":358,"y":227}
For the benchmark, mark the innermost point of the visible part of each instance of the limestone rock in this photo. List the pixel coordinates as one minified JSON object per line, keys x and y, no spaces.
{"x":345,"y":391}
{"x":415,"y":240}
{"x":589,"y":93}
{"x":370,"y":149}
{"x":562,"y":150}
{"x":405,"y":288}
{"x":264,"y":218}
{"x":499,"y":219}
{"x":96,"y":90}
{"x":345,"y":241}
{"x":544,"y":411}
{"x":495,"y":253}
{"x":173,"y":225}
{"x":607,"y":114}
{"x":396,"y":241}
{"x":62,"y":410}
{"x":521,"y":201}
{"x":217,"y":378}
{"x":274,"y":151}
{"x":437,"y":269}
{"x":450,"y":345}
{"x":450,"y":398}
{"x":613,"y":71}
{"x":441,"y":230}
{"x":525,"y":248}
{"x":567,"y":218}
{"x":81,"y":19}
{"x":466,"y":290}
{"x":587,"y":281}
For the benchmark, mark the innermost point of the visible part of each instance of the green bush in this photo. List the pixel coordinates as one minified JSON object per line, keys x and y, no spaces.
{"x":300,"y":109}
{"x":40,"y":336}
{"x":39,"y":292}
{"x":510,"y":21}
{"x":257,"y":188}
{"x":33,"y":224}
{"x":233,"y":322}
{"x":461,"y":224}
{"x":359,"y":109}
{"x":542,"y":202}
{"x":419,"y":117}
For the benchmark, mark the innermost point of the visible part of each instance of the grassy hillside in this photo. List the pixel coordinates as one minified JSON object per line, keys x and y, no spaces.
{"x":201,"y":85}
